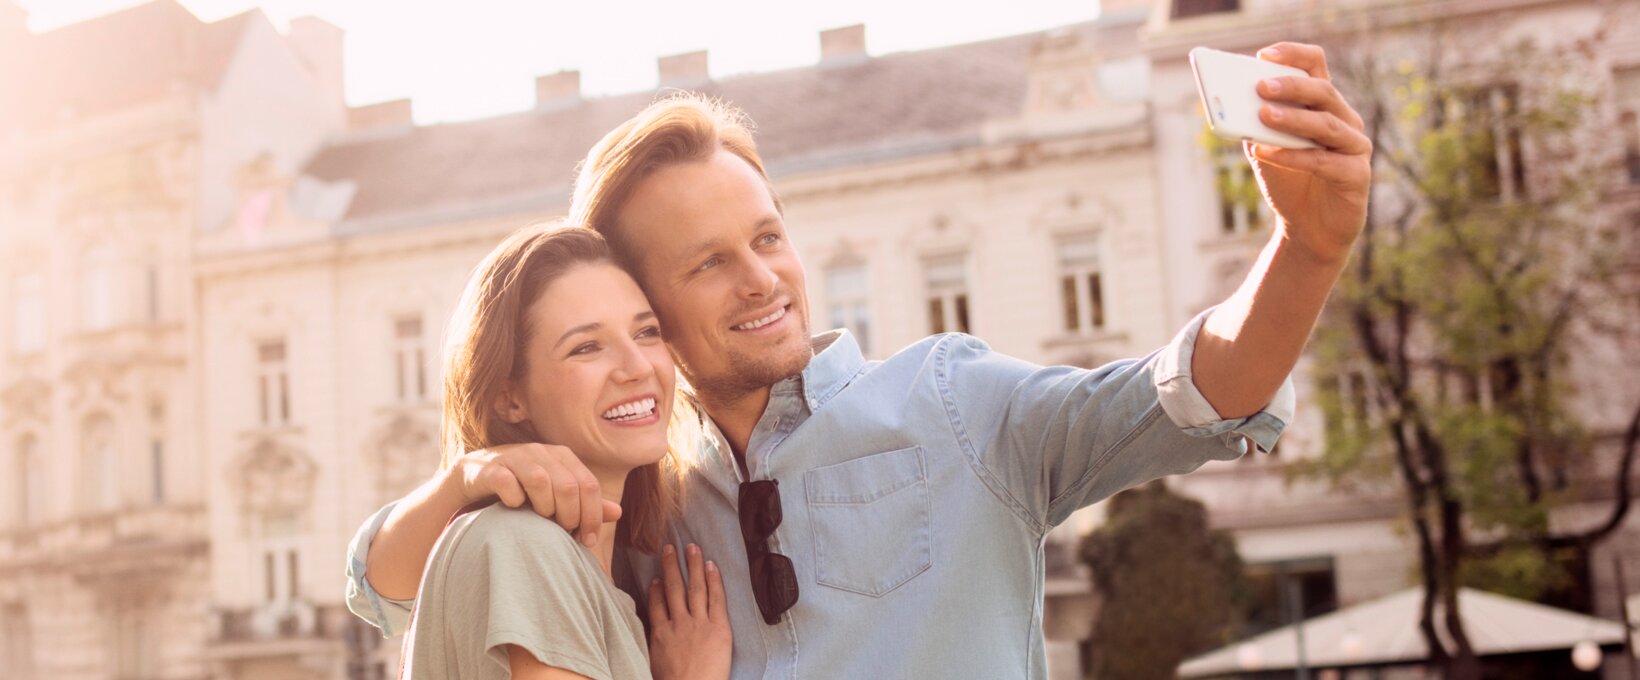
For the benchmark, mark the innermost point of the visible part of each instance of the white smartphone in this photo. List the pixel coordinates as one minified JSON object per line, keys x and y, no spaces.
{"x":1228,"y":84}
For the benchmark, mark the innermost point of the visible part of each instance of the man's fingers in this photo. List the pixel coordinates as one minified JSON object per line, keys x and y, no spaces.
{"x":1320,"y":127}
{"x":566,"y":496}
{"x":717,"y":604}
{"x":657,"y":603}
{"x":506,"y":487}
{"x":673,"y":581}
{"x":1308,"y":58}
{"x":697,"y":582}
{"x":592,"y":511}
{"x":1325,"y":164}
{"x":1313,"y":93}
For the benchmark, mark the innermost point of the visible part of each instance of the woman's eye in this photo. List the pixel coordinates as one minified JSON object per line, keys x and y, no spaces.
{"x":649,"y":332}
{"x":584,"y":348}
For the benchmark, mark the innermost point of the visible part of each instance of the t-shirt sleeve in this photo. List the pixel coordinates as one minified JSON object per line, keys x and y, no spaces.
{"x":520,"y":577}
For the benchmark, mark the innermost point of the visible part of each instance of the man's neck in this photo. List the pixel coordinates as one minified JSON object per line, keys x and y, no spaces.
{"x":736,"y":415}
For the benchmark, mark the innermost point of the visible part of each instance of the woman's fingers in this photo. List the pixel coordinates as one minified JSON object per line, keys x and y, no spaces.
{"x":673,"y":581}
{"x":697,"y":582}
{"x":657,"y":603}
{"x":717,"y":604}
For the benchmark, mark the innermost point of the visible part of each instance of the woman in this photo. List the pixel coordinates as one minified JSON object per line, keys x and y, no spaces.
{"x":554,"y":343}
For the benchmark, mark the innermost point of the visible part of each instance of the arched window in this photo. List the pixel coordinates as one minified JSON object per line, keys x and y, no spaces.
{"x":97,"y":288}
{"x":99,"y":465}
{"x":28,"y":481}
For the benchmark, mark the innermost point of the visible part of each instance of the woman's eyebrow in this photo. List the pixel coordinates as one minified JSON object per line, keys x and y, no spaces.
{"x":583,"y":328}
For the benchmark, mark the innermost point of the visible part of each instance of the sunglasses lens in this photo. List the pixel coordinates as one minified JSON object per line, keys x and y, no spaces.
{"x":759,"y":509}
{"x":774,"y":581}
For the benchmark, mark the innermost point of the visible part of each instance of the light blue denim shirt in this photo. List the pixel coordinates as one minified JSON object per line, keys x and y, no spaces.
{"x":917,"y":493}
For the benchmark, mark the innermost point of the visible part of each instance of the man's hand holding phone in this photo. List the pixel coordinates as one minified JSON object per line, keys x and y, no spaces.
{"x":1319,"y":194}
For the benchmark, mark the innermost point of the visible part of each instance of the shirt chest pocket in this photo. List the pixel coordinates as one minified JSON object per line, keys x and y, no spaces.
{"x":871,"y":519}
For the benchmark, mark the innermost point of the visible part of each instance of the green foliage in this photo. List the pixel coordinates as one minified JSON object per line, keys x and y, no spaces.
{"x":1482,"y":250}
{"x":1169,"y":586}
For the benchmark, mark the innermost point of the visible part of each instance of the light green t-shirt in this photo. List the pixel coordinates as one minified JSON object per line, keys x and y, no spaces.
{"x":500,"y":576}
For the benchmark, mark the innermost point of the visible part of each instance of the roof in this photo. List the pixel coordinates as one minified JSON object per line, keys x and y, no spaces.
{"x":806,"y":118}
{"x":1385,"y":631}
{"x":119,"y":60}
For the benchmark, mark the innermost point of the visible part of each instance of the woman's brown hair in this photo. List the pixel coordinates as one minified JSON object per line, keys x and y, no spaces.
{"x":485,"y":355}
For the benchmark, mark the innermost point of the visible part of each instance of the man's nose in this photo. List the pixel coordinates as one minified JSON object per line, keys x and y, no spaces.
{"x":756,"y":278}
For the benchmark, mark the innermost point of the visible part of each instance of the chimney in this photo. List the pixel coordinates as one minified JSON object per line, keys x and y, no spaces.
{"x":557,"y":90}
{"x":683,"y":70}
{"x":382,"y":116}
{"x":319,"y":43}
{"x":843,"y":44}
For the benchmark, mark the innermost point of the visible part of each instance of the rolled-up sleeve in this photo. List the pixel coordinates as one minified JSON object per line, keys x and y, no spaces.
{"x":1189,"y":410}
{"x":391,"y":616}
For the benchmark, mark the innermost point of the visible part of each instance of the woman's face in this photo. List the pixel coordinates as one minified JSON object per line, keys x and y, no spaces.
{"x":599,"y":379}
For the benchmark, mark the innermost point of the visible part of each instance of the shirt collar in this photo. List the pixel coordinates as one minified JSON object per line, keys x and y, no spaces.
{"x":836,"y":361}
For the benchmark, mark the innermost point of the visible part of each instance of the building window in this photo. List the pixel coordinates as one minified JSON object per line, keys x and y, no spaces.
{"x":97,"y":288}
{"x":280,"y":579}
{"x":17,"y":636}
{"x":946,"y":279}
{"x":410,"y":359}
{"x":1627,"y":82}
{"x":1081,"y":284}
{"x":99,"y":465}
{"x":157,"y":465}
{"x":134,"y":643}
{"x":1285,"y":591}
{"x":1241,"y":207}
{"x":273,"y":383}
{"x":153,"y":292}
{"x":28,"y":482}
{"x":1184,"y":9}
{"x":848,"y":297}
{"x":1498,"y":172}
{"x":28,"y":330}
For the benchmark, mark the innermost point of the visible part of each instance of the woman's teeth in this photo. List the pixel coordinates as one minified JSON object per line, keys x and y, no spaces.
{"x":635,"y":410}
{"x":753,"y":325}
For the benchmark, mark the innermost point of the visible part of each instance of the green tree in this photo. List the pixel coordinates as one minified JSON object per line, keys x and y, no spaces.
{"x":1489,"y":260}
{"x":1168,"y":585}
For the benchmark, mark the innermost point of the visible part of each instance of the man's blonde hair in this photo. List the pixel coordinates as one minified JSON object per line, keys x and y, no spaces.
{"x":682,"y":128}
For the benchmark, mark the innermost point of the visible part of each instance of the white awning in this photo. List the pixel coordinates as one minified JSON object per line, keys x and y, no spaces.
{"x":1385,"y":631}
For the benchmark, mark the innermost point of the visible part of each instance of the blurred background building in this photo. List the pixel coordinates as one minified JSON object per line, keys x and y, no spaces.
{"x":224,"y":291}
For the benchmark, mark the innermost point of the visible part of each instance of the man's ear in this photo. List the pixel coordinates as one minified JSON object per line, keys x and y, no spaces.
{"x":510,"y":406}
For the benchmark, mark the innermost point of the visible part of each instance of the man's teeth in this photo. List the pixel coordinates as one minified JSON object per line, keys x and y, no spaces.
{"x":634,"y":410}
{"x":752,"y":325}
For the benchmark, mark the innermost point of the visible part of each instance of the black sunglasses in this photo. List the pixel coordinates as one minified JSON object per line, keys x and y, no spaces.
{"x":774,"y":580}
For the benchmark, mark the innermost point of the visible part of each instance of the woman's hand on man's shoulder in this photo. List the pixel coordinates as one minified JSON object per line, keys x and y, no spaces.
{"x":689,"y":635}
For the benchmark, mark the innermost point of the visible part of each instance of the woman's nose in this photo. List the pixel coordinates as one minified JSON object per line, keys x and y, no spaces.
{"x":632,"y":365}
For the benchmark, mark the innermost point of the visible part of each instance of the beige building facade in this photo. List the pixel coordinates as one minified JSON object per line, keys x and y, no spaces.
{"x":225,"y":293}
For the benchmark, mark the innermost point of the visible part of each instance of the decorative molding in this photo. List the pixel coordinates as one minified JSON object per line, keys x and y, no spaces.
{"x":401,"y":454}
{"x":273,"y":477}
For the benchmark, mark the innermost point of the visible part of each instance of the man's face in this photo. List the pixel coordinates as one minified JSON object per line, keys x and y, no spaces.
{"x":720,"y":272}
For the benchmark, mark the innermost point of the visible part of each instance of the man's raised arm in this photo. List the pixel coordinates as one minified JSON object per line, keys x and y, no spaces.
{"x":1252,"y":341}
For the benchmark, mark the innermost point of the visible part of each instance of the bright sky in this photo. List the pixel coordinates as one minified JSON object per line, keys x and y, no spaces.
{"x":477,"y":58}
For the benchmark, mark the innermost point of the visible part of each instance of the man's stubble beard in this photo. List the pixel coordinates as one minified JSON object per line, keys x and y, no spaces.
{"x":748,"y":372}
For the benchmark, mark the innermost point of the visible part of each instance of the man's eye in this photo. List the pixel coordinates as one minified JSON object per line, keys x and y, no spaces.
{"x":709,"y":263}
{"x":769,"y":239}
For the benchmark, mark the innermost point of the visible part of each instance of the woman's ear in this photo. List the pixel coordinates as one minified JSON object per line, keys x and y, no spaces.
{"x":510,"y":407}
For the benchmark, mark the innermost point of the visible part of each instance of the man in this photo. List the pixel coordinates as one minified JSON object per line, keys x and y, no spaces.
{"x":886,"y":519}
